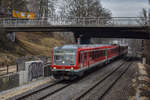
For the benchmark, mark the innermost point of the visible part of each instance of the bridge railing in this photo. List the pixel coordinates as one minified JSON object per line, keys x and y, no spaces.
{"x":16,"y":22}
{"x":76,"y":21}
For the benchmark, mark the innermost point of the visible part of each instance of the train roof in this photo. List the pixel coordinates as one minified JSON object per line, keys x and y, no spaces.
{"x":81,"y":46}
{"x":123,"y":44}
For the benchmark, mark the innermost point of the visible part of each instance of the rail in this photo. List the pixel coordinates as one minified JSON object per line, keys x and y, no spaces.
{"x":75,"y":21}
{"x":83,"y":94}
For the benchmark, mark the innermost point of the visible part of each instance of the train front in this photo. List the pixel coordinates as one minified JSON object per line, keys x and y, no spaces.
{"x":63,"y":62}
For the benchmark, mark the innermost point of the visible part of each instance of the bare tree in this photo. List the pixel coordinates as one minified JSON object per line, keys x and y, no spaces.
{"x":42,"y":8}
{"x":84,"y":8}
{"x":144,"y":17}
{"x":52,"y":7}
{"x":145,"y":20}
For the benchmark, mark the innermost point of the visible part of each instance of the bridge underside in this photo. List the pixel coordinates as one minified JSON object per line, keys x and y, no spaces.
{"x":88,"y":32}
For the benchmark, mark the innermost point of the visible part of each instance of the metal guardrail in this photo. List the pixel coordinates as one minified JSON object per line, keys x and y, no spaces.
{"x":7,"y":69}
{"x":75,"y":21}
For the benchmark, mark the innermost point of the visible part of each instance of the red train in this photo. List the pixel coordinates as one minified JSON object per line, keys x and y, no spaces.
{"x":71,"y":61}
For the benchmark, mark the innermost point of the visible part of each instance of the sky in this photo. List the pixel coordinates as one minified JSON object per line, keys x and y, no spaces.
{"x":125,"y":8}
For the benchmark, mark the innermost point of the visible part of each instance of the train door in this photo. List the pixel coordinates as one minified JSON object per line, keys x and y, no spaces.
{"x":106,"y":54}
{"x":88,"y":59}
{"x":81,"y":59}
{"x":85,"y":60}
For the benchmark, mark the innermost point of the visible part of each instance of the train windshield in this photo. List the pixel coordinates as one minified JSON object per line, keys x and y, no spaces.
{"x":64,"y":57}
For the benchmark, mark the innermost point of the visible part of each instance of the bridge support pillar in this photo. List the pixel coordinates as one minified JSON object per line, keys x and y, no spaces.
{"x":11,"y":36}
{"x":2,"y":35}
{"x":82,"y":39}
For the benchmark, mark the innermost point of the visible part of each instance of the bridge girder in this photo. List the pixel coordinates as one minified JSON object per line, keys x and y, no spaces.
{"x":102,"y":32}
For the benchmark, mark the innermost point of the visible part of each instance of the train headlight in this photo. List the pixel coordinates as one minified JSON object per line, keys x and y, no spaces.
{"x":71,"y":68}
{"x":54,"y":67}
{"x":63,"y":62}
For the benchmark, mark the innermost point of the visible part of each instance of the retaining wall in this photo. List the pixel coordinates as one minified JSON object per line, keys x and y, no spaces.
{"x":141,"y":83}
{"x":33,"y":70}
{"x":9,"y":81}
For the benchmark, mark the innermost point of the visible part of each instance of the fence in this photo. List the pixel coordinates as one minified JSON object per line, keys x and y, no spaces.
{"x":7,"y":69}
{"x":76,"y":21}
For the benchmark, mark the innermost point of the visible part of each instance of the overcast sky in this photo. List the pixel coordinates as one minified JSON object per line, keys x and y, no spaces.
{"x":125,"y":8}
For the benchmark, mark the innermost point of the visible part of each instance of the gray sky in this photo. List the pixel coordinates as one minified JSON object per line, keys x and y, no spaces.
{"x":125,"y":8}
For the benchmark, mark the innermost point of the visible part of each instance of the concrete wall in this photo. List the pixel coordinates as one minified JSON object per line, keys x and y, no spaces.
{"x":33,"y":70}
{"x":147,"y":51}
{"x":20,"y":64}
{"x":9,"y":81}
{"x":21,"y":61}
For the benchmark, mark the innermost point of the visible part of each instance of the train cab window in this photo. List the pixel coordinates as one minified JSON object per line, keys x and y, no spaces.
{"x":58,"y":57}
{"x":64,"y":57}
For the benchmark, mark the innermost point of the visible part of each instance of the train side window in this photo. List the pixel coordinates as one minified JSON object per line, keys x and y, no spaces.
{"x":94,"y":54}
{"x":103,"y":53}
{"x":99,"y":54}
{"x":85,"y":56}
{"x":91,"y":55}
{"x":79,"y":60}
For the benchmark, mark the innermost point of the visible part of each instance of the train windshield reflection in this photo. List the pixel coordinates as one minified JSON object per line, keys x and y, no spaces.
{"x":64,"y":57}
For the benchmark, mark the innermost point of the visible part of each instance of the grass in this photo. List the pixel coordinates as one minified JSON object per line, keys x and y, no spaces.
{"x":28,"y":44}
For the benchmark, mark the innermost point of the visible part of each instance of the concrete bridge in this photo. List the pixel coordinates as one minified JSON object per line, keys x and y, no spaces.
{"x":114,"y":27}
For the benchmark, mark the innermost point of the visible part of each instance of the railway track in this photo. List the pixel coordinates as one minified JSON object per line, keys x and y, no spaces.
{"x":87,"y":91}
{"x":44,"y":91}
{"x":115,"y":81}
{"x":53,"y":92}
{"x":49,"y":90}
{"x":78,"y":98}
